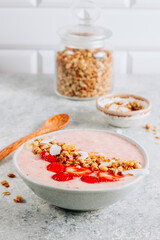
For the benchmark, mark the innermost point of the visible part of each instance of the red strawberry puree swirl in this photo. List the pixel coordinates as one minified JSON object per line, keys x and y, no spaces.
{"x":88,"y":141}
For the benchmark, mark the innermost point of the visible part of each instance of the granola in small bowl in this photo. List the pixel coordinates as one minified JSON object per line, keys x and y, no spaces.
{"x":124,"y":110}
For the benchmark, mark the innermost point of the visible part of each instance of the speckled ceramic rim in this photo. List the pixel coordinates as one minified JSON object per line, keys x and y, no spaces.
{"x":31,"y":180}
{"x":124,"y":114}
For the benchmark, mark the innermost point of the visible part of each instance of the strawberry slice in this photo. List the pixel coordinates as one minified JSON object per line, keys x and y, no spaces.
{"x":47,"y":157}
{"x":90,"y":179}
{"x":56,"y":167}
{"x":77,"y":171}
{"x":62,"y":177}
{"x":107,"y":177}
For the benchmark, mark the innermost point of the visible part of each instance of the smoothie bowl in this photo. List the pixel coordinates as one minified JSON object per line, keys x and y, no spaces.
{"x":81,"y":169}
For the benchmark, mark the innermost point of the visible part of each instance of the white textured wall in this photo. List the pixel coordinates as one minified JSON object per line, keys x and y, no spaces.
{"x":28,"y":35}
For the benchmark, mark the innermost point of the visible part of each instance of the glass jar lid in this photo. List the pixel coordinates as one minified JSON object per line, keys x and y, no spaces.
{"x":85,"y":34}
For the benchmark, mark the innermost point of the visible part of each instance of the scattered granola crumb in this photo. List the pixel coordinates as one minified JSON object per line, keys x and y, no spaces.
{"x":155,"y":129}
{"x":5,"y":183}
{"x":157,"y":137}
{"x":157,"y":142}
{"x":11,"y":175}
{"x":103,"y":168}
{"x":148,"y":127}
{"x":6,"y":193}
{"x":18,"y":199}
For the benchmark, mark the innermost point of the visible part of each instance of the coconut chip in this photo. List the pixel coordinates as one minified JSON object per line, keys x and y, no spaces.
{"x":55,"y":150}
{"x":84,"y":155}
{"x":136,"y":172}
{"x":46,"y":141}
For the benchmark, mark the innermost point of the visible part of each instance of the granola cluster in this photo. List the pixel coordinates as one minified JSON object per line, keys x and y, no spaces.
{"x":69,"y":155}
{"x":131,"y":106}
{"x":134,"y":106}
{"x":84,"y":73}
{"x":18,"y":199}
{"x":5,"y":183}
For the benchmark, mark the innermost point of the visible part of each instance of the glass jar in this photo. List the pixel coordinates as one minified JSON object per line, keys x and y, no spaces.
{"x":84,"y":61}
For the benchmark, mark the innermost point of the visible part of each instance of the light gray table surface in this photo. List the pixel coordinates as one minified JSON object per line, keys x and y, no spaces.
{"x":26,"y":101}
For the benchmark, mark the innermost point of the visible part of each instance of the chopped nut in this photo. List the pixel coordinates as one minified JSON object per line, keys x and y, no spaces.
{"x":36,"y":150}
{"x":52,"y":142}
{"x":35,"y":143}
{"x":115,"y":158}
{"x":103,"y":168}
{"x":148,"y":127}
{"x":157,"y":137}
{"x":94,"y":166}
{"x":108,"y":105}
{"x":69,"y":147}
{"x":137,"y":165}
{"x":6,"y":193}
{"x":5,"y":183}
{"x":11,"y":175}
{"x":18,"y":199}
{"x":45,"y":146}
{"x":155,"y":129}
{"x":39,"y":139}
{"x":120,"y":169}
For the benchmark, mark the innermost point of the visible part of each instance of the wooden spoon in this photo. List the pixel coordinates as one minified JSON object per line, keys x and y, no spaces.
{"x":52,"y":124}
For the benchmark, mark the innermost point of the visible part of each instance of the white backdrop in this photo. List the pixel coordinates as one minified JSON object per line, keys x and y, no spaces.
{"x":28,"y":34}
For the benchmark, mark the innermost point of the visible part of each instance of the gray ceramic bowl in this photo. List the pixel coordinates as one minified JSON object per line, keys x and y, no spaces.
{"x":81,"y":200}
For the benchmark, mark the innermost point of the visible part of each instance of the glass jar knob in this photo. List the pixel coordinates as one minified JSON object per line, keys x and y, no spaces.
{"x":86,"y":11}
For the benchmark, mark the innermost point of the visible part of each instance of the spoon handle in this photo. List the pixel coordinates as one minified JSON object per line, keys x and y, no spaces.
{"x":12,"y":147}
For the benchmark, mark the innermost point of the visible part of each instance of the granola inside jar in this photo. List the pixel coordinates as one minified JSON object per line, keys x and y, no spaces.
{"x":84,"y":63}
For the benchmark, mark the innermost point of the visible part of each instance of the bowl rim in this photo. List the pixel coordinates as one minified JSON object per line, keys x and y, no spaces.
{"x":39,"y":183}
{"x":124,"y":114}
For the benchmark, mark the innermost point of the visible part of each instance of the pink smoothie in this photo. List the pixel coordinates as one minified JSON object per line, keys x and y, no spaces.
{"x":88,"y":141}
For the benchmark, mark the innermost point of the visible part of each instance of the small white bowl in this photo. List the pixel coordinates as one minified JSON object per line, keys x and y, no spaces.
{"x":124,"y":119}
{"x":77,"y":199}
